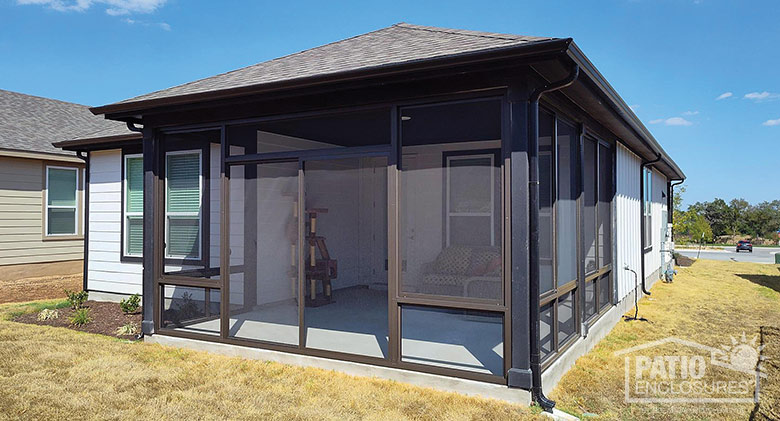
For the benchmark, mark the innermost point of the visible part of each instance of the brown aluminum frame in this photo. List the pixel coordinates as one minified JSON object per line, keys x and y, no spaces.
{"x":553,"y":296}
{"x":392,"y":152}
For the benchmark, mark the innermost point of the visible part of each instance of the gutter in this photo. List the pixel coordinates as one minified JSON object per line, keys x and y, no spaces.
{"x":533,"y":219}
{"x":642,"y":233}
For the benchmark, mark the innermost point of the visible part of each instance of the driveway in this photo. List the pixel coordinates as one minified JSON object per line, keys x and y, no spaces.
{"x":759,"y":255}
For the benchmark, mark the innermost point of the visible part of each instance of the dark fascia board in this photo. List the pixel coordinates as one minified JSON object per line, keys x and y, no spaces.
{"x":524,"y":50}
{"x":623,"y":110}
{"x":98,"y":142}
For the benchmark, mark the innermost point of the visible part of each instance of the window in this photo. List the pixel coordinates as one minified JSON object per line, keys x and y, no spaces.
{"x":133,"y":241}
{"x":183,"y":187}
{"x":61,"y":201}
{"x":648,"y":208}
{"x":471,"y":199}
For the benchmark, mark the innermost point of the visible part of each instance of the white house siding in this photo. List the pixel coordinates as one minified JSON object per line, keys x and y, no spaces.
{"x":21,"y":215}
{"x":106,"y":273}
{"x":627,"y":221}
{"x":654,"y":257}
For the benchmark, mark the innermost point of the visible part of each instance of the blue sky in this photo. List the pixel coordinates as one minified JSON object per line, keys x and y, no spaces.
{"x":669,"y":59}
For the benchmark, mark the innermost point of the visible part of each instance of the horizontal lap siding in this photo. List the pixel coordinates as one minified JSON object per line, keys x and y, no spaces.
{"x":21,"y":217}
{"x":654,"y":257}
{"x":627,"y":231}
{"x":106,"y":270}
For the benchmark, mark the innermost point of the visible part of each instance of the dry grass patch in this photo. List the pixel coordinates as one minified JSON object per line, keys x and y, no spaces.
{"x":55,"y":373}
{"x":38,"y":287}
{"x":708,"y":303}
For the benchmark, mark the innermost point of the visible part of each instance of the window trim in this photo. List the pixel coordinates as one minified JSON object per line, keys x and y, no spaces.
{"x":455,"y":155}
{"x":124,"y":256}
{"x":199,"y":214}
{"x":77,"y":234}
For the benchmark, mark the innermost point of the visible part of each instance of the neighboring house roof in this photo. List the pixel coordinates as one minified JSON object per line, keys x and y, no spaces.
{"x":29,"y":124}
{"x":398,"y":44}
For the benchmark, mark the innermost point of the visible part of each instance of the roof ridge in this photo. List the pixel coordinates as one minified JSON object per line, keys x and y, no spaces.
{"x":464,"y":32}
{"x":261,"y":62}
{"x":44,"y":98}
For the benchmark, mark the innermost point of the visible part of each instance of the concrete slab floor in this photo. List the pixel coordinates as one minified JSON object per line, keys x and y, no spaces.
{"x":356,"y":323}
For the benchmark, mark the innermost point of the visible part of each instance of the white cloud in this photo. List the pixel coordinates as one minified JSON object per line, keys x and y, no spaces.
{"x":690,"y":113}
{"x":724,"y":96}
{"x":634,"y":107}
{"x":772,"y":122}
{"x":162,"y":25}
{"x":677,"y":121}
{"x":761,"y":96}
{"x":672,"y":121}
{"x":115,"y":7}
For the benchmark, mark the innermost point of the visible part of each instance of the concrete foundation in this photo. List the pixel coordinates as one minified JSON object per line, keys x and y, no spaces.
{"x":109,"y":297}
{"x":443,"y":383}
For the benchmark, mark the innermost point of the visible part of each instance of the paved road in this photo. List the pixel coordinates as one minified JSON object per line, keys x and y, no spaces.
{"x":759,"y":255}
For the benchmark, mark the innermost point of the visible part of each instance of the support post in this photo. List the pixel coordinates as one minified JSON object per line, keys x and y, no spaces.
{"x":151,"y":151}
{"x":519,"y":374}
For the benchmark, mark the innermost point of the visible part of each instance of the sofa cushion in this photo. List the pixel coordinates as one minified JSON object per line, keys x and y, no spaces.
{"x":453,"y":260}
{"x":444,"y":279}
{"x":485,"y":261}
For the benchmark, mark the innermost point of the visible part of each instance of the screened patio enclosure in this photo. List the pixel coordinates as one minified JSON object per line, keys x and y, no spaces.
{"x":374,"y":235}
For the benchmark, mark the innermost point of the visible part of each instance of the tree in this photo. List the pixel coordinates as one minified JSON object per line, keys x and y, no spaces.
{"x":678,"y":215}
{"x":739,"y":207}
{"x":698,"y":227}
{"x":718,"y":214}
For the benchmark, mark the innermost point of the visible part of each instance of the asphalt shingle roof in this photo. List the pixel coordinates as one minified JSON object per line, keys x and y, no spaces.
{"x":398,"y":44}
{"x":30,"y":123}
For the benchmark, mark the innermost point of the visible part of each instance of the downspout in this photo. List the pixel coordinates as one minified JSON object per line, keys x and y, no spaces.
{"x":642,"y":218}
{"x":85,"y":157}
{"x":533,"y":219}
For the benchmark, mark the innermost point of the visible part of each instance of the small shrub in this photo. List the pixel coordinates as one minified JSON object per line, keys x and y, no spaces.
{"x":127,"y":330}
{"x":130,"y":304}
{"x":80,"y":317}
{"x":76,"y":299}
{"x":48,"y":314}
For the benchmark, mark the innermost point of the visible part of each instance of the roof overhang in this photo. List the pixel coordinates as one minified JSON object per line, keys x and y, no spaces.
{"x":128,"y":111}
{"x":591,"y":92}
{"x":13,"y":153}
{"x":104,"y":142}
{"x":647,"y":142}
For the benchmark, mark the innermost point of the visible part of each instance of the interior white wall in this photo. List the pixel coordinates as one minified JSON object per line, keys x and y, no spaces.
{"x":353,"y":227}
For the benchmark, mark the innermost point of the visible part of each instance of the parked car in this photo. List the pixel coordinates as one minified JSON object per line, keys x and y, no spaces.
{"x":744,"y":245}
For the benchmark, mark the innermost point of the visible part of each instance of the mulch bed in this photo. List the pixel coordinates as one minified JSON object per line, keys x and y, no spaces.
{"x":106,"y":319}
{"x":683,"y":260}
